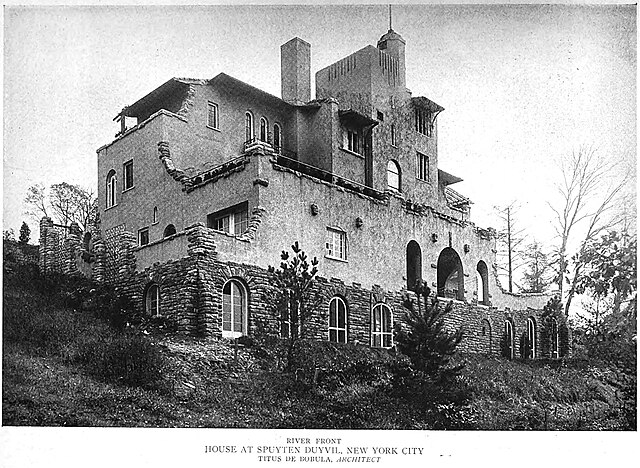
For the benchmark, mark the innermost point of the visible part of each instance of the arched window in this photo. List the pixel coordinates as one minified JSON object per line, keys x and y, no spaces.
{"x":277,"y":137}
{"x":508,"y":345}
{"x":86,"y":241}
{"x":531,"y":344}
{"x":170,"y":230}
{"x":414,"y":264}
{"x":482,"y":275}
{"x":248,"y":126}
{"x":264,"y":129}
{"x":393,"y":175}
{"x":381,"y":327}
{"x":112,"y":188}
{"x":337,"y":320}
{"x":486,"y":339}
{"x":234,"y":309}
{"x":450,"y":275}
{"x":554,"y":339}
{"x":152,"y":300}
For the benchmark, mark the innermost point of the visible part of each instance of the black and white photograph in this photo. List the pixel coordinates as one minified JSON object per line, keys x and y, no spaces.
{"x":391,"y":234}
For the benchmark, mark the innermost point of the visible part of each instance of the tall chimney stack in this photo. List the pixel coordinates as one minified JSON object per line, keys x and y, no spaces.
{"x":295,"y":69}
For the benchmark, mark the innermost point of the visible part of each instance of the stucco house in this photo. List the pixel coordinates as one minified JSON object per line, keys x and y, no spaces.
{"x":209,"y":180}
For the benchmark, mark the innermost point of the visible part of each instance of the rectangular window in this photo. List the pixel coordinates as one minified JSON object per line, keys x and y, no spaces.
{"x":394,"y":141}
{"x":422,"y":166}
{"x":336,"y":246}
{"x":353,"y":141}
{"x":380,"y":116}
{"x":128,"y":175}
{"x":233,"y":220}
{"x":212,"y":115}
{"x":424,"y":122}
{"x":143,"y":236}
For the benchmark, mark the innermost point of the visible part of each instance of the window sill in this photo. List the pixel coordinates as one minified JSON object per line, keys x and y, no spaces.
{"x":423,"y":181}
{"x":110,"y":207}
{"x":232,"y":335}
{"x":128,"y":189}
{"x":353,"y":153}
{"x":213,"y":128}
{"x":337,"y":259}
{"x":455,"y":301}
{"x":381,"y":347}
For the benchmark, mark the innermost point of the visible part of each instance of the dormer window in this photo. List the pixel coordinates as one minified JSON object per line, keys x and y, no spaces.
{"x":424,"y":122}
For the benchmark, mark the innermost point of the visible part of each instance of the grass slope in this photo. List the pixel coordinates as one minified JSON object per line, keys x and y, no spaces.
{"x":64,"y":366}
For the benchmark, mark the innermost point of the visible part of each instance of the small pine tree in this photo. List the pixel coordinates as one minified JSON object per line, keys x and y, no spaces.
{"x":291,"y":298}
{"x":25,"y":234}
{"x":426,"y":342}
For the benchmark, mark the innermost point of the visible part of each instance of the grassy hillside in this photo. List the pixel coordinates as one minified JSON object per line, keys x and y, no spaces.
{"x":69,"y":361}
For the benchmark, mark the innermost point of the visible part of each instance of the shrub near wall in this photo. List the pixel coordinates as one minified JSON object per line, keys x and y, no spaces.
{"x":69,"y":318}
{"x":335,"y":364}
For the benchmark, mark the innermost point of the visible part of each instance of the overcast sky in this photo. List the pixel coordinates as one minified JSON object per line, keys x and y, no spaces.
{"x":521,"y":85}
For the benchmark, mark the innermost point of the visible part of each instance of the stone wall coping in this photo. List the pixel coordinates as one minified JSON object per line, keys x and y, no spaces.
{"x":142,"y":124}
{"x":237,"y":237}
{"x":160,"y":241}
{"x":302,"y":175}
{"x":211,"y":231}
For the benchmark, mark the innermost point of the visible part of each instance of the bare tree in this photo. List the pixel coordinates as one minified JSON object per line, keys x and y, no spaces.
{"x":586,"y":199}
{"x":537,"y":277}
{"x":65,"y":202}
{"x":37,"y":202}
{"x":509,"y":240}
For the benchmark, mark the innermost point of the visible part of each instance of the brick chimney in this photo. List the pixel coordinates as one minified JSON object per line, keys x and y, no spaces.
{"x":295,"y":69}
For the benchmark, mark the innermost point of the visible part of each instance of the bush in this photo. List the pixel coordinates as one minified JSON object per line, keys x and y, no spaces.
{"x":337,"y":364}
{"x":130,"y":359}
{"x":79,"y":321}
{"x":429,"y":346}
{"x":33,"y":321}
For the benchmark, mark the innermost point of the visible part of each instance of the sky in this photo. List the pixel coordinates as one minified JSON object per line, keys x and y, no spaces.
{"x":522,"y":86}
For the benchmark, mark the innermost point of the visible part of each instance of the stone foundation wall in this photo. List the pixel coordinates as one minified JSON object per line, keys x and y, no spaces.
{"x":191,"y":295}
{"x":62,"y":250}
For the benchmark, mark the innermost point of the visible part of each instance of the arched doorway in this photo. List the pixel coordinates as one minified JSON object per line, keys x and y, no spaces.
{"x":450,"y":275}
{"x":486,"y":339}
{"x":531,"y":343}
{"x":508,"y":340}
{"x":414,"y":264}
{"x":482,"y":274}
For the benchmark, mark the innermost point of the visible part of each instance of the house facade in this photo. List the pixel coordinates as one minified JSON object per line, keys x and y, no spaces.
{"x":208,"y":181}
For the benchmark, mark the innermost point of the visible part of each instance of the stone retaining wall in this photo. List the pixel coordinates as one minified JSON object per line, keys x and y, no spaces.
{"x":191,"y":295}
